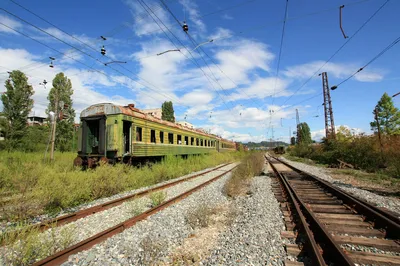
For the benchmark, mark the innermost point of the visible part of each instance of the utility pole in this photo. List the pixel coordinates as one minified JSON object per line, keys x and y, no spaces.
{"x":298,"y":127}
{"x":329,"y":123}
{"x":379,"y":130}
{"x":54,"y":126}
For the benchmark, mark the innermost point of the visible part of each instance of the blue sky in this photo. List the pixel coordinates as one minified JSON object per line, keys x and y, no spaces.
{"x":229,"y":86}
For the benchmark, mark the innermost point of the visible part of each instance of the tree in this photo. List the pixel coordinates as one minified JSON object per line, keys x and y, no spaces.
{"x":61,"y":92}
{"x":167,"y":111}
{"x":305,"y":134}
{"x":17,"y":104}
{"x":292,"y":141}
{"x":343,"y":134}
{"x":388,"y":116}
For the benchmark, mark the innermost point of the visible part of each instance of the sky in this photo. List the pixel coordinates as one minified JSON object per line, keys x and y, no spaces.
{"x":241,"y":72}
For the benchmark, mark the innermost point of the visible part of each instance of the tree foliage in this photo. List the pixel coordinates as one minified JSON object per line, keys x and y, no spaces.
{"x":167,"y":111}
{"x":62,"y":92}
{"x":388,"y":116}
{"x":304,"y":133}
{"x":292,"y":141}
{"x":344,"y":134}
{"x":17,"y":104}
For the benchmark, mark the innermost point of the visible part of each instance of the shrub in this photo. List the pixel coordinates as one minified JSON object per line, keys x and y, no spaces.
{"x":239,"y":182}
{"x":157,"y":198}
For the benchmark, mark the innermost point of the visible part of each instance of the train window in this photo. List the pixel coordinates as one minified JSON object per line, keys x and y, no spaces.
{"x":186,"y":140}
{"x":192,"y":141}
{"x":170,"y":138}
{"x":139,"y":134}
{"x":152,"y":136}
{"x":197,"y":142}
{"x":161,"y":137}
{"x":179,"y":139}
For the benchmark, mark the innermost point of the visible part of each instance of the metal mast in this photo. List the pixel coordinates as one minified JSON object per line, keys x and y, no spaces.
{"x":329,"y":123}
{"x":298,"y":126}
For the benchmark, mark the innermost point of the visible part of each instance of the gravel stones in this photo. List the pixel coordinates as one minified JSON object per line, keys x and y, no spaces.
{"x":390,"y":203}
{"x":254,"y":236}
{"x":151,"y":240}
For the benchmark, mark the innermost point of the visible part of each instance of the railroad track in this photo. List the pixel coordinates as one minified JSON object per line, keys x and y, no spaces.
{"x":61,"y":256}
{"x":71,"y":217}
{"x":330,"y":226}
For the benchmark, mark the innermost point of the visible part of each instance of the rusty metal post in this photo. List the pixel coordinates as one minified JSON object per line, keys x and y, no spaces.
{"x":329,"y":122}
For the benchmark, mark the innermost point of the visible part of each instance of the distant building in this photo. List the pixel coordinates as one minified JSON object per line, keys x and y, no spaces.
{"x":185,"y":124}
{"x":154,"y":112}
{"x":36,"y":121}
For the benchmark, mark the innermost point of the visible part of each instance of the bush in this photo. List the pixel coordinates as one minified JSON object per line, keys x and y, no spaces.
{"x":239,"y":183}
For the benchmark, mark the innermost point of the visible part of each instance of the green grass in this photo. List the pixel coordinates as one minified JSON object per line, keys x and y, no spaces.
{"x":44,"y":187}
{"x":372,"y":178}
{"x":239,"y":182}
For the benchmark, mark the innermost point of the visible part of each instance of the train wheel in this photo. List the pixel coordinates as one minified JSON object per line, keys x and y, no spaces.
{"x":91,"y":163}
{"x":78,"y":161}
{"x":103,"y":160}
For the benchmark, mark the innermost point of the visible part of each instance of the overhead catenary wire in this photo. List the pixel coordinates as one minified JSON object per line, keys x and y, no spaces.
{"x":76,"y":60}
{"x":96,"y":59}
{"x":338,"y":50}
{"x":387,"y":48}
{"x":193,"y":59}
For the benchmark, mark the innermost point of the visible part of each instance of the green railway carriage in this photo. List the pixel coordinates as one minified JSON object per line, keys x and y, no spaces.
{"x":115,"y":133}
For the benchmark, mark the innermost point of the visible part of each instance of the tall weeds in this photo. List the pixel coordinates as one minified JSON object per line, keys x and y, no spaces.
{"x":39,"y":186}
{"x":239,"y":183}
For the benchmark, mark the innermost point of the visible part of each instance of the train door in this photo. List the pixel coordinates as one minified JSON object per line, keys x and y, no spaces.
{"x":93,"y":132}
{"x":127,"y":132}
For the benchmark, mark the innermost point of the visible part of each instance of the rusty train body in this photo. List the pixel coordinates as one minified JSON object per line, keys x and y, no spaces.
{"x":113,"y":133}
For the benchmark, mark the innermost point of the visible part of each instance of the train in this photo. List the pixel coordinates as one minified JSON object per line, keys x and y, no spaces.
{"x":111,"y":133}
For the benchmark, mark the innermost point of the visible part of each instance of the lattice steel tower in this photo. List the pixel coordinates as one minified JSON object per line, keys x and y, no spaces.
{"x":298,"y":126}
{"x":329,"y":123}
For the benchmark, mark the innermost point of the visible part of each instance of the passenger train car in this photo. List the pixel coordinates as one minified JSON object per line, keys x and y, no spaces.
{"x":113,"y":133}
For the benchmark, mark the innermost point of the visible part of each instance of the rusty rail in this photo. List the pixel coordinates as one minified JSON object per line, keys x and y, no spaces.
{"x":61,"y":256}
{"x":307,"y":219}
{"x":380,"y":218}
{"x":71,"y":217}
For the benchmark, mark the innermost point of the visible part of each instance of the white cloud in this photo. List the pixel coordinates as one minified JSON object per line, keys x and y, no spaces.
{"x":9,"y":22}
{"x":227,"y":17}
{"x":336,"y":70}
{"x":84,"y":83}
{"x":317,"y":135}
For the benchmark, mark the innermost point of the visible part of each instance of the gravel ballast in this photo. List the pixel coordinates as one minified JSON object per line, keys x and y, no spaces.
{"x":93,"y":224}
{"x":254,"y":236}
{"x":151,"y":240}
{"x":390,"y":203}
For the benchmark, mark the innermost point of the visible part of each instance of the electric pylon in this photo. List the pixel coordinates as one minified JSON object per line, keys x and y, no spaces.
{"x":298,"y":126}
{"x":329,"y":123}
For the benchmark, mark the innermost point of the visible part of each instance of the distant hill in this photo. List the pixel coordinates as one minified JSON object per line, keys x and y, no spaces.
{"x":266,"y":144}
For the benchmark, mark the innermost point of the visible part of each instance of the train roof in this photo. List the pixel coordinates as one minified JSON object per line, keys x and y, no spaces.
{"x":104,"y":109}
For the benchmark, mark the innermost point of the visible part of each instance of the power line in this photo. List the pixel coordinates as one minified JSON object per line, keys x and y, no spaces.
{"x":95,"y":70}
{"x":338,"y":50}
{"x":193,"y":59}
{"x":397,"y":40}
{"x":89,"y":55}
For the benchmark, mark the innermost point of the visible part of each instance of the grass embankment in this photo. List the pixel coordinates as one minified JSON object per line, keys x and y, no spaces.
{"x":240,"y":181}
{"x":376,"y":169}
{"x":32,"y":186}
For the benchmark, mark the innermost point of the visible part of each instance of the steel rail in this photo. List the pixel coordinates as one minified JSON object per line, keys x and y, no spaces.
{"x":326,"y":242}
{"x":380,"y":218}
{"x":62,"y":256}
{"x":310,"y":241}
{"x":101,"y":207}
